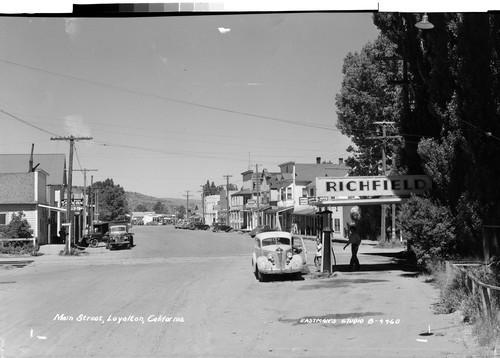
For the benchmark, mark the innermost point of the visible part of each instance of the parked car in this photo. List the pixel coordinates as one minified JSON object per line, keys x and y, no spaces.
{"x":119,"y":236}
{"x":221,"y":227}
{"x":201,"y":226}
{"x":99,"y":232}
{"x":278,"y":253}
{"x":259,"y":229}
{"x":189,"y":226}
{"x":180,"y":224}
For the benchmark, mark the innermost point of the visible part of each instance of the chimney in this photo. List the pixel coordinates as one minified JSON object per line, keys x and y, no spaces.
{"x":318,"y":160}
{"x":341,"y":161}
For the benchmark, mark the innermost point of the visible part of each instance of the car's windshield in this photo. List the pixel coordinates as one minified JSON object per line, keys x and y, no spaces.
{"x":117,"y":228}
{"x":276,"y":241}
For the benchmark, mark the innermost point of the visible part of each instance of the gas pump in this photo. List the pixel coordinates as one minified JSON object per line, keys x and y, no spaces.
{"x":328,"y":254}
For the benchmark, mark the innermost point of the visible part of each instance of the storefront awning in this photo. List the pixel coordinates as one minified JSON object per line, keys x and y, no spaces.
{"x":278,"y":210}
{"x":370,"y":201}
{"x":53,"y":208}
{"x":242,"y":192}
{"x":305,"y":211}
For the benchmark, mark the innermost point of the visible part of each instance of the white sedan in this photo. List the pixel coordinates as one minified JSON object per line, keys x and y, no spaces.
{"x":278,"y":253}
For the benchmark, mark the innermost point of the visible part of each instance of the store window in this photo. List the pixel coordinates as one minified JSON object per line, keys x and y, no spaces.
{"x":336,"y":224}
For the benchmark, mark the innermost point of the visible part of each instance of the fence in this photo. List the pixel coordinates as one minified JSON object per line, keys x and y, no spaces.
{"x":486,"y":292}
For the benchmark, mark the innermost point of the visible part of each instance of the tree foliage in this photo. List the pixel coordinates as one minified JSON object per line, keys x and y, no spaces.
{"x":113,"y":205}
{"x":366,"y":97}
{"x":181,"y":211}
{"x":429,"y":229}
{"x":18,"y":227}
{"x":141,"y":207}
{"x":447,"y":112}
{"x":159,"y":208}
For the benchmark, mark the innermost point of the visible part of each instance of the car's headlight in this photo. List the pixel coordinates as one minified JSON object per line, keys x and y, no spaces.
{"x":289,"y":255}
{"x":270,"y":257}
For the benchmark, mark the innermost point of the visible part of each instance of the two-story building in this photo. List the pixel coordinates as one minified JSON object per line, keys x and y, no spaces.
{"x":305,"y":218}
{"x":42,"y":200}
{"x":252,"y":200}
{"x":211,"y":209}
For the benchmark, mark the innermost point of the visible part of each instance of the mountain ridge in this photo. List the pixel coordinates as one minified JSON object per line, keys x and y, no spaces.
{"x":135,"y":198}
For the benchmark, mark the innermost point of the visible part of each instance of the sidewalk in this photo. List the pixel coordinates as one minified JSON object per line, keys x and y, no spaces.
{"x":51,"y":254}
{"x":344,"y":241}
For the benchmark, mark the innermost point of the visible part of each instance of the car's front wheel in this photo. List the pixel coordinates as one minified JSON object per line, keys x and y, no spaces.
{"x":259,"y":275}
{"x":94,"y":243}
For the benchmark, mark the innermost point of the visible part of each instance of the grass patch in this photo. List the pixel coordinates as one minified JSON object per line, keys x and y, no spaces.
{"x":19,"y":248}
{"x":72,"y":252}
{"x":454,"y":297}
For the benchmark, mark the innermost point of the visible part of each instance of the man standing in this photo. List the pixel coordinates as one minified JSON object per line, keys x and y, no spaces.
{"x":355,"y":241}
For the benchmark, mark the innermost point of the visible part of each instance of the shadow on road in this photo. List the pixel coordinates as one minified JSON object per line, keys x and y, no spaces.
{"x":339,"y":282}
{"x":399,"y":266}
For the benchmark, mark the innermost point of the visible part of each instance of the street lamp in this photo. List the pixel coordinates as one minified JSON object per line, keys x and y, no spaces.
{"x":424,"y":24}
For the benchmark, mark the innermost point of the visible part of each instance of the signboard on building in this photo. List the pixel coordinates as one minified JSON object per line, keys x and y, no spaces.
{"x":76,"y":204}
{"x":401,"y":186}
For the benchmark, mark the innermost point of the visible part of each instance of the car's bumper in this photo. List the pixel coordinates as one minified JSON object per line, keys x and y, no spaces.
{"x":280,"y":271}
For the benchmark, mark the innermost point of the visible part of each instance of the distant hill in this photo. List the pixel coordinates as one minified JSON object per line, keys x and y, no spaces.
{"x":135,"y":199}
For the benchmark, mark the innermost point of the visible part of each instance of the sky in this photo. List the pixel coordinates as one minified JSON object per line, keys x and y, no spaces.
{"x":171,"y":102}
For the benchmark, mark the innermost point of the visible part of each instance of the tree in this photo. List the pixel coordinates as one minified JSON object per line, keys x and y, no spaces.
{"x":113,"y":205}
{"x":141,"y":207}
{"x":159,"y":208}
{"x":211,"y":189}
{"x":18,"y":227}
{"x":181,"y":211}
{"x":366,"y":97}
{"x":428,"y":227}
{"x":452,"y":106}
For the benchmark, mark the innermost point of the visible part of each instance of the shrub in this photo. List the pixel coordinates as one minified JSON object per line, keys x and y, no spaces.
{"x":428,"y":228}
{"x":454,"y":296}
{"x":18,"y":227}
{"x":452,"y":292}
{"x":18,"y":248}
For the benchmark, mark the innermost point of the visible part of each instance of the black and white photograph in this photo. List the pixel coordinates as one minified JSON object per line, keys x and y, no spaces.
{"x":250,"y":179}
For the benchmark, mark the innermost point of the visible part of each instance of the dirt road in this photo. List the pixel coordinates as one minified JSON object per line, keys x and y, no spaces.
{"x":194,"y":295}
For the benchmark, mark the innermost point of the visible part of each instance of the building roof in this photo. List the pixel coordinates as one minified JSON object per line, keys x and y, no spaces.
{"x":309,"y":172}
{"x":52,"y":164}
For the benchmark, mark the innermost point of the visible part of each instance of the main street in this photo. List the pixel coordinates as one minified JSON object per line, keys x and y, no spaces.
{"x":181,"y":293}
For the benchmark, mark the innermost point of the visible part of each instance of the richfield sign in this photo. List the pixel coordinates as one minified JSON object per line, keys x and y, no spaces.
{"x":401,"y":186}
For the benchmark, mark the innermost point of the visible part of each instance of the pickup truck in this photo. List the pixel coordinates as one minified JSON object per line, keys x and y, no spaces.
{"x":119,"y":236}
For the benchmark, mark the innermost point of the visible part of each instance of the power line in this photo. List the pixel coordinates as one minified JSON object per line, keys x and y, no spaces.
{"x":151,"y":95}
{"x":27,"y":123}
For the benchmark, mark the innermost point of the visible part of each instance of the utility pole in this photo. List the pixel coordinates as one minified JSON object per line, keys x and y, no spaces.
{"x":69,"y":217}
{"x":187,"y":204}
{"x":258,"y":193}
{"x":203,"y":203}
{"x":85,"y":204}
{"x":92,"y":202}
{"x":384,"y":138}
{"x":227,"y":176}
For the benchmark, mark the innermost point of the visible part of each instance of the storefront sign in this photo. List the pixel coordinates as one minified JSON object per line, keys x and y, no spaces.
{"x":402,"y":185}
